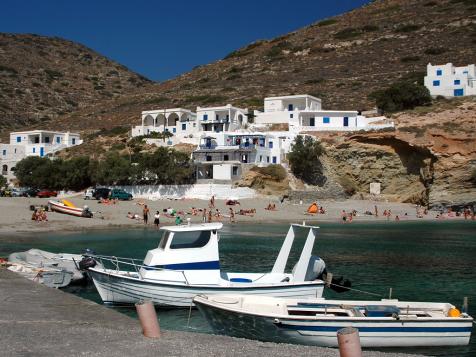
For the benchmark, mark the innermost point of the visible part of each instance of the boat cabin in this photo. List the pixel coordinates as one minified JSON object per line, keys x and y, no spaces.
{"x":188,"y":253}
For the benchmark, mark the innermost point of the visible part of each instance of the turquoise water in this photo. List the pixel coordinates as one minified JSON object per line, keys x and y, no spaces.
{"x":423,"y":261}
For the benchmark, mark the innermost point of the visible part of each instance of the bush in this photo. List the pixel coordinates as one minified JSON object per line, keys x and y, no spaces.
{"x":53,"y":74}
{"x":408,"y":28}
{"x":347,"y":33}
{"x":304,"y":160}
{"x":409,"y":59}
{"x":473,"y":176}
{"x":326,"y":22}
{"x":435,"y":51}
{"x":401,"y":96}
{"x":275,"y":171}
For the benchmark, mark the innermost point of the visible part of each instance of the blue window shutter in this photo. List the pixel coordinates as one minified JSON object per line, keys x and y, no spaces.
{"x":457,"y":82}
{"x":436,"y":83}
{"x":205,"y":116}
{"x":270,"y":144}
{"x":184,"y":126}
{"x":4,"y":152}
{"x":217,"y":116}
{"x":275,"y":160}
{"x":326,"y":120}
{"x":458,"y":92}
{"x":439,"y":72}
{"x":174,"y":130}
{"x":291,"y":116}
{"x":18,"y":139}
{"x":34,"y":150}
{"x":290,"y":107}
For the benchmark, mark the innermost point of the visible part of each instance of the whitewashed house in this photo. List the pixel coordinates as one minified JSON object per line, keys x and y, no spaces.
{"x":33,"y":143}
{"x":225,"y":156}
{"x":450,"y":81}
{"x":219,"y":119}
{"x":182,"y":123}
{"x":304,"y":113}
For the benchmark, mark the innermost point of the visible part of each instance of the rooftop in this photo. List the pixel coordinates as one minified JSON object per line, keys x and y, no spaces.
{"x":30,"y":132}
{"x":294,"y":97}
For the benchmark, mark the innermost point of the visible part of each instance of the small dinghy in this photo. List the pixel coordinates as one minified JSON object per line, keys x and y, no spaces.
{"x":186,"y":263}
{"x":61,"y":268}
{"x":385,"y":323}
{"x":68,"y":208}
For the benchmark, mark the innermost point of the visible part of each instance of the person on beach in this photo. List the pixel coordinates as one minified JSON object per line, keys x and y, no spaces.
{"x":178,"y":221}
{"x":397,"y":218}
{"x":209,"y":216}
{"x":204,"y":215}
{"x":344,"y":216}
{"x":376,"y":210}
{"x":218,"y":215}
{"x":212,"y":202}
{"x":145,"y":214}
{"x":157,"y":218}
{"x":232,"y":215}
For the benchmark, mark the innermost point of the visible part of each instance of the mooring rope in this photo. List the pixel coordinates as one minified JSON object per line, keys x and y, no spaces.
{"x":358,"y":290}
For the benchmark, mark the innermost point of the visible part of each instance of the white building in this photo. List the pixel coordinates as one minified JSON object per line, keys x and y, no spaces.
{"x":303,"y":113}
{"x":225,"y":156}
{"x":182,"y":123}
{"x":450,"y":81}
{"x":33,"y":143}
{"x":219,"y":119}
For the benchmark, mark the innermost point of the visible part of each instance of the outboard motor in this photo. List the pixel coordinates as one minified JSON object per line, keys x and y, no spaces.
{"x":86,"y":263}
{"x":315,"y":268}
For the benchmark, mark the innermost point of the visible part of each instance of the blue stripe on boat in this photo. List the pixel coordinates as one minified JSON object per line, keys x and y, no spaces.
{"x":377,"y":329}
{"x":210,"y":265}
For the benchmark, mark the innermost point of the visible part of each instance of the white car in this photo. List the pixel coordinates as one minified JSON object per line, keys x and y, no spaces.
{"x":88,"y":194}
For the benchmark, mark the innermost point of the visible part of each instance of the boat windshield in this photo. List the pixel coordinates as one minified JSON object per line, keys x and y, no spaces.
{"x":190,"y":239}
{"x":163,"y":241}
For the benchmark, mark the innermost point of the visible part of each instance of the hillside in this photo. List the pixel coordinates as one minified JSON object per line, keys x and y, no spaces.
{"x":341,"y":60}
{"x":429,"y":159}
{"x":42,"y":78}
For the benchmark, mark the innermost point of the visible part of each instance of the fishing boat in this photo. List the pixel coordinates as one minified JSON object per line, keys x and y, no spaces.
{"x":384,"y":323}
{"x":66,"y":207}
{"x":186,"y":263}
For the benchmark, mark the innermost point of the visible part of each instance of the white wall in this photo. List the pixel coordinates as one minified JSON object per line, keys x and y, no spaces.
{"x":199,"y":191}
{"x":222,"y":172}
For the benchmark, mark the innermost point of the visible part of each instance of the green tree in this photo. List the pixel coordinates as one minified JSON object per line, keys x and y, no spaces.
{"x":113,"y":170}
{"x":3,"y":181}
{"x":401,"y":96}
{"x":305,"y":162}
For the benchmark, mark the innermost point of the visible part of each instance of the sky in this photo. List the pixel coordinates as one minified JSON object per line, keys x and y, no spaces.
{"x":162,"y":39}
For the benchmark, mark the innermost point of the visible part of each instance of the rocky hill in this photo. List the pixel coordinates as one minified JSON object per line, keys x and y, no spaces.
{"x":43,"y":78}
{"x":430,"y":158}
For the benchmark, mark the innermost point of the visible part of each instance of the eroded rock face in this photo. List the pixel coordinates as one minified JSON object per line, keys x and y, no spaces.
{"x":404,"y":172}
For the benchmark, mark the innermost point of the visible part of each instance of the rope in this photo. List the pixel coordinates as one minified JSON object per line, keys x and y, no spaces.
{"x":360,"y":291}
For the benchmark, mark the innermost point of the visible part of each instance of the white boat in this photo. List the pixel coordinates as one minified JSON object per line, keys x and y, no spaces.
{"x":61,"y":207}
{"x":41,"y":259}
{"x":186,"y":263}
{"x":385,"y":323}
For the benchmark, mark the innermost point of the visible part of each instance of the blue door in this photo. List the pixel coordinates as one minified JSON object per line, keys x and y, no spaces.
{"x":290,"y":107}
{"x":42,"y":152}
{"x":208,"y":144}
{"x":346,"y":121}
{"x":312,"y":122}
{"x":459,"y":92}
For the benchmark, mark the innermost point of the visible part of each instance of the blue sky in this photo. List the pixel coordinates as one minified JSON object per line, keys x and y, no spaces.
{"x":162,"y":39}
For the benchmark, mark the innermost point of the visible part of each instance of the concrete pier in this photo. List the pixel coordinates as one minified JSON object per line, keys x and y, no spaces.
{"x":40,"y":321}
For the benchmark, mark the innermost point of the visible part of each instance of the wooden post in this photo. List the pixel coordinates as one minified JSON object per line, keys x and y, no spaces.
{"x":390,"y":293}
{"x":465,"y":304}
{"x":148,"y":319}
{"x":349,"y":342}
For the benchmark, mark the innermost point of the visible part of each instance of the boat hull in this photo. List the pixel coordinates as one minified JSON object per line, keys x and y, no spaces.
{"x":117,"y":289}
{"x":73,"y":211}
{"x":324,"y":333}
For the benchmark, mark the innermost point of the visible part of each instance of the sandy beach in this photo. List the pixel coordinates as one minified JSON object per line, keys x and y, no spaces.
{"x":16,"y":213}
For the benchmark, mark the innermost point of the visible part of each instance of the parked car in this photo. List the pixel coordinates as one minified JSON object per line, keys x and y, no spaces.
{"x":32,"y":192}
{"x":120,"y":195}
{"x":6,"y":193}
{"x":46,"y":194}
{"x":88,"y":194}
{"x":101,"y":192}
{"x":19,"y":192}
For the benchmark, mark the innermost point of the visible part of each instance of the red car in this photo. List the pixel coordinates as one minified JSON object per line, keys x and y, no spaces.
{"x":46,"y":194}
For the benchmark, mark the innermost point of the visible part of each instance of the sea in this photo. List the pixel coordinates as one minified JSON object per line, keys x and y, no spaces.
{"x":419,"y":261}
